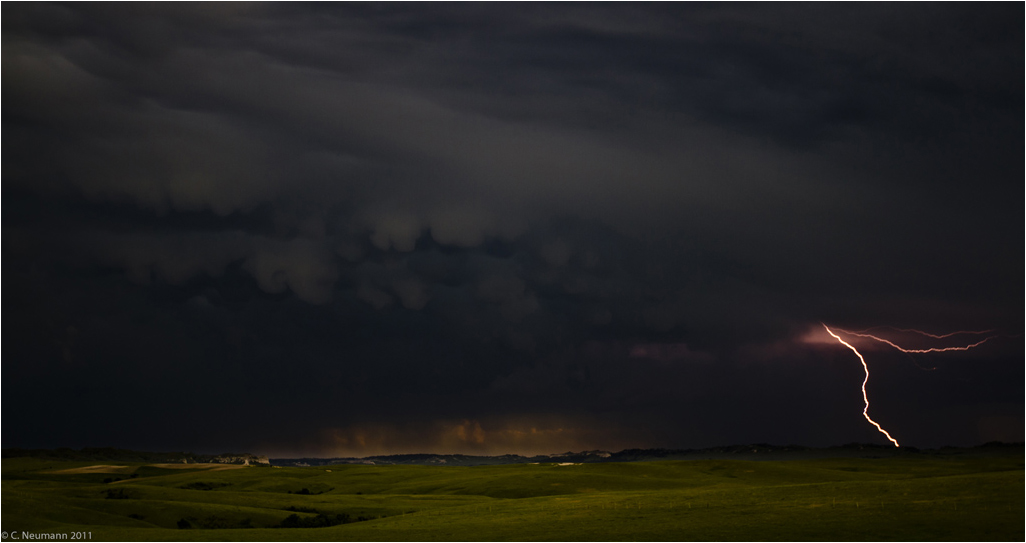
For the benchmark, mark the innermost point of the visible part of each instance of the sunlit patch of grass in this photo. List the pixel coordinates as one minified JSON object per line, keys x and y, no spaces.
{"x":920,"y":498}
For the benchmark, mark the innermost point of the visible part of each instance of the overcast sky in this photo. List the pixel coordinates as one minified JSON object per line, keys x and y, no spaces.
{"x":353,"y":229}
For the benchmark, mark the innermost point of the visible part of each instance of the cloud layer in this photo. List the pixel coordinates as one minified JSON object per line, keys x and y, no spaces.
{"x":383,"y":216}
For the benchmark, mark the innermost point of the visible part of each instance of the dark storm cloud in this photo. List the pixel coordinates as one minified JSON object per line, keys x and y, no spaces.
{"x":465,"y":218}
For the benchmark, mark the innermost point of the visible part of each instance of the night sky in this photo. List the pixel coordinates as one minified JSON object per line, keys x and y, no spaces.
{"x":355,"y":229}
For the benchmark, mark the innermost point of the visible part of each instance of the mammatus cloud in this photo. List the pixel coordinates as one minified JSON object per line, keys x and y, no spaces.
{"x":470,"y":212}
{"x":304,"y":266}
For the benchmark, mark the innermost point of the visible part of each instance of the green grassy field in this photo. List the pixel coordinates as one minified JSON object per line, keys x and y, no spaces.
{"x":927,"y":497}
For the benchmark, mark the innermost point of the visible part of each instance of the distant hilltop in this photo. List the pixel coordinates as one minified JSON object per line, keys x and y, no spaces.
{"x":759,"y":451}
{"x":739,"y":452}
{"x":124,"y":455}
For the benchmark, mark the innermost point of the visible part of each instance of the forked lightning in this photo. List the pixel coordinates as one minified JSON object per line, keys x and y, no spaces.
{"x":866,"y":334}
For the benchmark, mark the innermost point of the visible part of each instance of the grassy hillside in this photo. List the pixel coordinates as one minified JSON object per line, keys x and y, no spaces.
{"x":907,"y":498}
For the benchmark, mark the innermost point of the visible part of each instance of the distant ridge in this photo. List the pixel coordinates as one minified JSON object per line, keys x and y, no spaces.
{"x":125,"y":455}
{"x":759,"y":451}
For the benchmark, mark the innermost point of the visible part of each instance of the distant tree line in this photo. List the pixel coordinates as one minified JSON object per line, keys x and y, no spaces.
{"x":321,"y":520}
{"x":116,"y":494}
{"x":213,"y":522}
{"x":307,"y":492}
{"x":109,"y":480}
{"x":301,"y":509}
{"x":201,"y":485}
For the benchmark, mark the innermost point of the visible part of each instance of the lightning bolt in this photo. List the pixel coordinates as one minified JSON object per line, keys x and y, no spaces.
{"x":927,"y":334}
{"x":864,"y":334}
{"x":865,"y":410}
